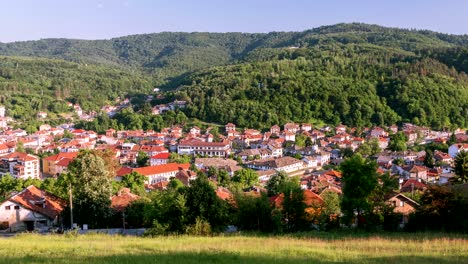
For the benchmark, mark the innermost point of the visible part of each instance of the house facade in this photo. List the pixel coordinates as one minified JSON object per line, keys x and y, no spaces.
{"x":198,"y":147}
{"x":31,"y":209}
{"x":454,"y":149}
{"x":403,"y":205}
{"x":49,"y":164}
{"x":20,"y":165}
{"x":161,"y":173}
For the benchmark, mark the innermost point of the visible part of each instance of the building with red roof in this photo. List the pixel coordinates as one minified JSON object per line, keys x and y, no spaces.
{"x":20,"y":165}
{"x":123,"y":199}
{"x":49,"y":164}
{"x":160,"y":173}
{"x":31,"y":209}
{"x":199,"y":147}
{"x":159,"y":159}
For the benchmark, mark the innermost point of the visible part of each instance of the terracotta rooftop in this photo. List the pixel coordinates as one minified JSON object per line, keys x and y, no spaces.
{"x":39,"y":201}
{"x":161,"y":156}
{"x":19,"y":156}
{"x":195,"y":142}
{"x":62,"y":155}
{"x":311,"y":199}
{"x":123,"y":199}
{"x":165,"y":168}
{"x":64,"y":162}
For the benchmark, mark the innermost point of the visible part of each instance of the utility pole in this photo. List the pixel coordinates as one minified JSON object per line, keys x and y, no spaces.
{"x":123,"y":219}
{"x":71,"y":205}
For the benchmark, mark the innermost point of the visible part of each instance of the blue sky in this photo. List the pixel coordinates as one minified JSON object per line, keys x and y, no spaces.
{"x":102,"y":19}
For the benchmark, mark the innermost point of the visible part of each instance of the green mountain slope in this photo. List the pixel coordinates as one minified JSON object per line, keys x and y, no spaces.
{"x":170,"y":54}
{"x":29,"y":85}
{"x":356,"y":84}
{"x":357,"y":74}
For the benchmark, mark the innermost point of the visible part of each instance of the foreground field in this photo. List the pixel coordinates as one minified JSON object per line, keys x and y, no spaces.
{"x":407,"y":248}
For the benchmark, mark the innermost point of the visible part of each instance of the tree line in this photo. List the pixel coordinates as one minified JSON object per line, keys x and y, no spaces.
{"x":281,"y":207}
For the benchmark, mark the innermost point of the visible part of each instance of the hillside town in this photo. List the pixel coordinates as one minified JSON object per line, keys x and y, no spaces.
{"x":311,"y":153}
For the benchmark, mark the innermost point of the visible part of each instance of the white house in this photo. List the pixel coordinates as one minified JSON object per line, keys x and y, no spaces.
{"x":454,"y":149}
{"x":323,"y":158}
{"x":20,"y":165}
{"x":311,"y":162}
{"x":160,"y":173}
{"x":31,"y":209}
{"x":286,"y":164}
{"x":198,"y":147}
{"x":159,"y":159}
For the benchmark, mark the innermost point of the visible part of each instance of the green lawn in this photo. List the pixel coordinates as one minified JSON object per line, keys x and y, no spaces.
{"x":308,"y":248}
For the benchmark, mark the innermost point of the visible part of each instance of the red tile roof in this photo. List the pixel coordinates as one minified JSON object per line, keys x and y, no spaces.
{"x":64,"y":162}
{"x":62,"y":155}
{"x":31,"y":197}
{"x":170,"y":167}
{"x":224,"y":194}
{"x":20,"y":156}
{"x":124,"y":171}
{"x":123,"y":199}
{"x":417,"y":185}
{"x":161,"y":156}
{"x":199,"y":143}
{"x":311,"y":199}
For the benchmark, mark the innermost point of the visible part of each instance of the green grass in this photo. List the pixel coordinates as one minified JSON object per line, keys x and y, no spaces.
{"x":303,"y":248}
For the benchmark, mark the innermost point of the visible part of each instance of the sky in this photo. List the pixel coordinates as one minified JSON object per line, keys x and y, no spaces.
{"x":104,"y":19}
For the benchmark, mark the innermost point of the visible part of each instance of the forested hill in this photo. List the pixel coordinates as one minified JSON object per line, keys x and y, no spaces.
{"x":355,"y":84}
{"x":356,"y":74}
{"x":29,"y":85}
{"x":171,"y":54}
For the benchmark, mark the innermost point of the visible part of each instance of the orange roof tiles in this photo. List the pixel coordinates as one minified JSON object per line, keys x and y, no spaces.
{"x":165,"y":168}
{"x":29,"y":198}
{"x":62,"y":155}
{"x":123,"y":199}
{"x":161,"y":156}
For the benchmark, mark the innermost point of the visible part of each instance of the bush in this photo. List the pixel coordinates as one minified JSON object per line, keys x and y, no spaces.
{"x":156,"y":230}
{"x":200,"y":228}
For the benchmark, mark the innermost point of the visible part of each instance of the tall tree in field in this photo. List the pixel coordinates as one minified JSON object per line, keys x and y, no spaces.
{"x":92,"y":188}
{"x":360,"y":180}
{"x":461,"y":167}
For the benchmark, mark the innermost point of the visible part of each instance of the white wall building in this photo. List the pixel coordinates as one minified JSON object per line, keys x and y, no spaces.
{"x":20,"y":165}
{"x":30,"y":209}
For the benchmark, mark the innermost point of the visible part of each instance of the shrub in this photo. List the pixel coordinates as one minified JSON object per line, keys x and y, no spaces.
{"x":200,"y":228}
{"x":157,"y":229}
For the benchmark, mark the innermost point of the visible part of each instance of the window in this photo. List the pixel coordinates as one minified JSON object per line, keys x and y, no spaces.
{"x":402,"y":203}
{"x":16,"y":207}
{"x":7,"y":207}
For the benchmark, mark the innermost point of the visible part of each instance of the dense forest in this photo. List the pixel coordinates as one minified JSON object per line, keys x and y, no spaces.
{"x":357,"y":74}
{"x":169,"y":54}
{"x":29,"y":85}
{"x":358,"y":85}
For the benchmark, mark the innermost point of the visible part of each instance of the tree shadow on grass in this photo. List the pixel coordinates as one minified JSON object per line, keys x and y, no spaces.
{"x":224,"y":257}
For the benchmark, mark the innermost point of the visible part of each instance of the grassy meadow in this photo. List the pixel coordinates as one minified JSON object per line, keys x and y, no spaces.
{"x":305,"y":248}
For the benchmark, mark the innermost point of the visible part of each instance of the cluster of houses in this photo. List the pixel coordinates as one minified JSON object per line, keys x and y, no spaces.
{"x":266,"y":152}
